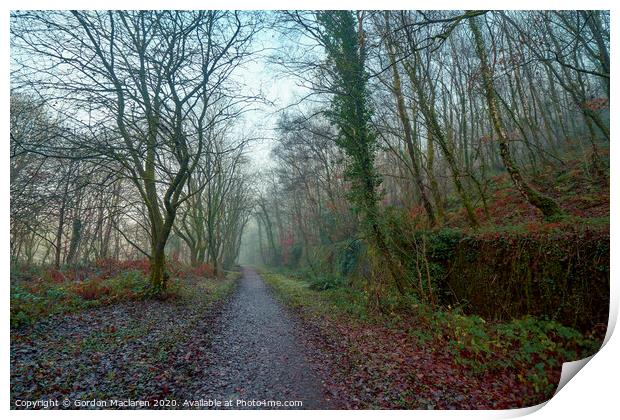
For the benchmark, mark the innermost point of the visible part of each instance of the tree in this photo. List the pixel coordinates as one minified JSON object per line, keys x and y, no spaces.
{"x":406,"y":123}
{"x":341,"y":33}
{"x":218,"y":205}
{"x":155,"y":81}
{"x":546,"y":205}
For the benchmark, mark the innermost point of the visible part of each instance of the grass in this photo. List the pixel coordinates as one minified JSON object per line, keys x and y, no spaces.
{"x":332,"y":303}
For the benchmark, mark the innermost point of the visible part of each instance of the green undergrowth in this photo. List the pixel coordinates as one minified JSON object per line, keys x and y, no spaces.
{"x":557,"y":271}
{"x":34,"y":298}
{"x":530,"y":346}
{"x":301,"y":292}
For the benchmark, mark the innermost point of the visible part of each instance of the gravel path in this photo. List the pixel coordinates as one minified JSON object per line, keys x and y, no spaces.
{"x":255,"y":354}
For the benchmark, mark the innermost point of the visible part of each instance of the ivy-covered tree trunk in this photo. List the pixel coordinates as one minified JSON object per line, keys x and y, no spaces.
{"x":344,"y":41}
{"x":158,"y":275}
{"x":160,"y":232}
{"x":546,"y":205}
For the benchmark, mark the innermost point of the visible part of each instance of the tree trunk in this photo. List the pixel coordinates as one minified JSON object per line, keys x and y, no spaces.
{"x":433,"y":126}
{"x":404,"y":118}
{"x":546,"y":205}
{"x":158,"y":276}
{"x":76,"y":235}
{"x":61,"y":226}
{"x":430,"y":171}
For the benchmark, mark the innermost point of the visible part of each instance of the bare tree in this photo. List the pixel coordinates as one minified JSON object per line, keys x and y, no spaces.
{"x":154,"y":78}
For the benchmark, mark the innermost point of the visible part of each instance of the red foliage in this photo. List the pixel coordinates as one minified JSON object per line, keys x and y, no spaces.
{"x":541,"y":227}
{"x":109,"y":267}
{"x":415,"y":212}
{"x":595,"y":104}
{"x":91,"y":290}
{"x":55,"y":275}
{"x":286,"y":241}
{"x":374,"y":365}
{"x":202,"y":270}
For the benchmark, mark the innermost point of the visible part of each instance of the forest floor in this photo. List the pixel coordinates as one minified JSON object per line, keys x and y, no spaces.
{"x":232,"y":340}
{"x":213,"y":347}
{"x":136,"y":349}
{"x":581,"y":196}
{"x":407,"y":361}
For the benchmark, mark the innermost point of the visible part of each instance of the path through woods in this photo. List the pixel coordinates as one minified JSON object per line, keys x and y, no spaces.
{"x":256,"y":354}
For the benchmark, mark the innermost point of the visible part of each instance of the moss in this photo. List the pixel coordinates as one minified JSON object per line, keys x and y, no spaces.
{"x":557,"y":270}
{"x":562,"y":274}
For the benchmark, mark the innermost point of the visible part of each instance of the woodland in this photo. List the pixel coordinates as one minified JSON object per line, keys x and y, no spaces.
{"x":405,"y":209}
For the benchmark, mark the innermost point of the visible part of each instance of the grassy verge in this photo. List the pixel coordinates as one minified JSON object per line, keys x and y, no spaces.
{"x":529,"y":349}
{"x":334,"y":303}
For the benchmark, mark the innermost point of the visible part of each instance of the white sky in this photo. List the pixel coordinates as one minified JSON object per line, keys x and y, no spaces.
{"x":278,"y":89}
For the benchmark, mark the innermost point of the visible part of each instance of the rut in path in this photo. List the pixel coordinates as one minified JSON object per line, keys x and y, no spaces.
{"x":255,"y":353}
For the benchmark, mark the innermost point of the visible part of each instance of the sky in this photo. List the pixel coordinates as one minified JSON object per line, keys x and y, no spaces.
{"x":279,"y":89}
{"x":257,"y":76}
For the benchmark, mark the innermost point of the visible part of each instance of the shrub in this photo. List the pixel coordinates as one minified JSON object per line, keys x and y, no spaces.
{"x":91,"y":289}
{"x":325,"y":281}
{"x":36,"y":298}
{"x":127,"y":285}
{"x":56,"y":292}
{"x":20,"y":319}
{"x":296,"y":252}
{"x":203,"y":270}
{"x":109,"y":268}
{"x":24,"y":272}
{"x":175,"y":291}
{"x":54,"y":275}
{"x":529,"y":345}
{"x":24,"y":306}
{"x":350,"y":258}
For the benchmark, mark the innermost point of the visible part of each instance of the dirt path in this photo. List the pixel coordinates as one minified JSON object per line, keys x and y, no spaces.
{"x":255,"y":355}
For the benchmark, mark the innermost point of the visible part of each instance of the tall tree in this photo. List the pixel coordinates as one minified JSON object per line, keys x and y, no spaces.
{"x":545,"y":204}
{"x":161,"y":78}
{"x":342,"y":35}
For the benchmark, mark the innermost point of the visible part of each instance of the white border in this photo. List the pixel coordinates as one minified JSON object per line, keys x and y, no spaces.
{"x":593,"y":394}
